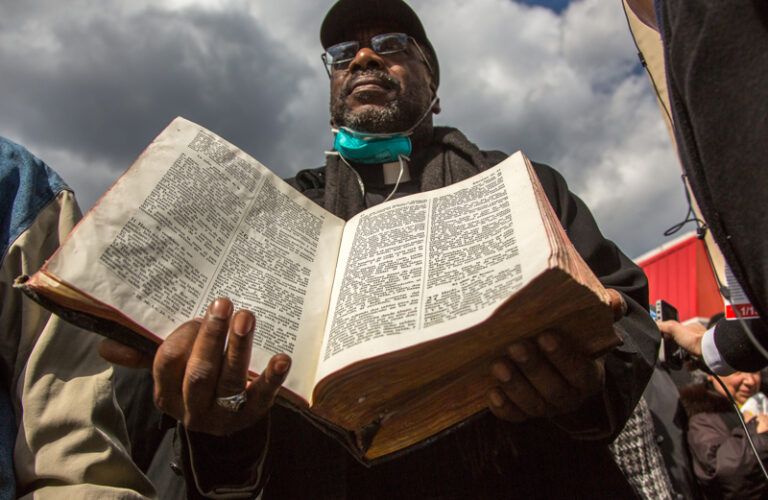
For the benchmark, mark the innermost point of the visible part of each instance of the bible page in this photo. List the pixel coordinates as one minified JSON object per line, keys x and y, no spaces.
{"x":431,"y":264}
{"x":194,"y":219}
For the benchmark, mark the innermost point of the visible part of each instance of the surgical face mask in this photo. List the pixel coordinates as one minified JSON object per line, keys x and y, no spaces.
{"x":362,"y":148}
{"x":371,"y":148}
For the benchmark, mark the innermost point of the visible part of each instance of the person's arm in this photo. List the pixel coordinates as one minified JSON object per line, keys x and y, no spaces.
{"x":71,"y":439}
{"x":688,"y":337}
{"x":223,"y":449}
{"x":724,"y":348}
{"x":590,"y":399}
{"x":233,"y":466}
{"x":723,"y":456}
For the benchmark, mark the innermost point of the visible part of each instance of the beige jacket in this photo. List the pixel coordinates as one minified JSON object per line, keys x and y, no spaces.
{"x":72,"y":440}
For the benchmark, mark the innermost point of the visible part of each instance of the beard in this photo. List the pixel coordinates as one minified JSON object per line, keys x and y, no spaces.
{"x":395,"y":116}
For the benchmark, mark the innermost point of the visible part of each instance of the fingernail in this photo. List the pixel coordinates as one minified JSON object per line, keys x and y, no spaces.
{"x":281,"y":367}
{"x":496,"y":399}
{"x":243,"y":323}
{"x":221,"y":309}
{"x":501,"y":372}
{"x":548,"y":342}
{"x":518,"y":352}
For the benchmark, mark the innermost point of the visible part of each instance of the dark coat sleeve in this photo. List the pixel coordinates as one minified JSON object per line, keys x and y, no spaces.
{"x":629,"y":366}
{"x":224,"y":466}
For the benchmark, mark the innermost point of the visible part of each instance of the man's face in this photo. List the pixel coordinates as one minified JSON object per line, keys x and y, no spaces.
{"x":741,"y":385}
{"x":380,"y":93}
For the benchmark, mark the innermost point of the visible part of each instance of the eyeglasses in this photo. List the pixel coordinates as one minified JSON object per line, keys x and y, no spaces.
{"x":337,"y":57}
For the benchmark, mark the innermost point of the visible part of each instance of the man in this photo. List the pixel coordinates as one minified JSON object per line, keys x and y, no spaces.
{"x":553,"y":410}
{"x":716,"y":58}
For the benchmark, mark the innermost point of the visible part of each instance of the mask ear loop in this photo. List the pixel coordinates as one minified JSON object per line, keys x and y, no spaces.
{"x":359,"y":179}
{"x":401,"y":159}
{"x":423,"y":116}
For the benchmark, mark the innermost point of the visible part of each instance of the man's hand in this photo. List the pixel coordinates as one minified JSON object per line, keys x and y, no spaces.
{"x":191,"y":369}
{"x":687,"y":337}
{"x":543,"y":377}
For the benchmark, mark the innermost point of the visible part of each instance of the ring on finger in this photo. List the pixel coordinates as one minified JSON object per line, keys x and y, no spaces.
{"x":232,"y":403}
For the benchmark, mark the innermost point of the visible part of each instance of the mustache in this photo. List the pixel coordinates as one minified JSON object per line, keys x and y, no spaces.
{"x":385,"y":80}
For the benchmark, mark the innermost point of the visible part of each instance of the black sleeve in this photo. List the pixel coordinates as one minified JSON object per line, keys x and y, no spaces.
{"x":628,"y":366}
{"x":225,"y":467}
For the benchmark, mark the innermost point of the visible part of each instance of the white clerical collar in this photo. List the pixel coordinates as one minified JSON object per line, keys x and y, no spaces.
{"x":391,"y":172}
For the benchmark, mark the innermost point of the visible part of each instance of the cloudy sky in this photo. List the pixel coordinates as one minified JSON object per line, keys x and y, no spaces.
{"x":87,"y":84}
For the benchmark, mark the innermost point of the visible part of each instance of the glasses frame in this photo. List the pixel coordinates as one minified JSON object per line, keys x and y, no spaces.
{"x":329,"y":66}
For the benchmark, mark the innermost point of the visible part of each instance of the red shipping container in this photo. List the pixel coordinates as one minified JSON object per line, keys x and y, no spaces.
{"x":679,"y":272}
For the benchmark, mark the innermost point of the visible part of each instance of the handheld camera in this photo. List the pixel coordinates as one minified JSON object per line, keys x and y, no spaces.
{"x":670,"y":353}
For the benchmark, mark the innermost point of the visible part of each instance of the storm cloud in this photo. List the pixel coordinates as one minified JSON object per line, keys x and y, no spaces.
{"x":86,"y":85}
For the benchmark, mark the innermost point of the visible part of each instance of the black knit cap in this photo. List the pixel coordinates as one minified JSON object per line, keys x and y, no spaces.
{"x":347,"y":17}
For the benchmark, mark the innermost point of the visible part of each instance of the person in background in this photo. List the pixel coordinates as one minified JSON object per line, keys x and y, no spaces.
{"x":63,"y":433}
{"x":723,"y":461}
{"x":716,"y":59}
{"x":669,"y":416}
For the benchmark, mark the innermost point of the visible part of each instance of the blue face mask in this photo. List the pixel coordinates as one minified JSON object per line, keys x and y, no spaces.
{"x":360,"y":147}
{"x":369,"y":148}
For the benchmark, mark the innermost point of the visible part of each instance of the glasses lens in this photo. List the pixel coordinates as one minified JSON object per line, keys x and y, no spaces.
{"x":341,"y":53}
{"x":338,"y":57}
{"x":389,"y":43}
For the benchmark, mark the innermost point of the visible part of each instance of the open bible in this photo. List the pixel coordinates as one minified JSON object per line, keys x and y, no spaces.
{"x":392,"y":318}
